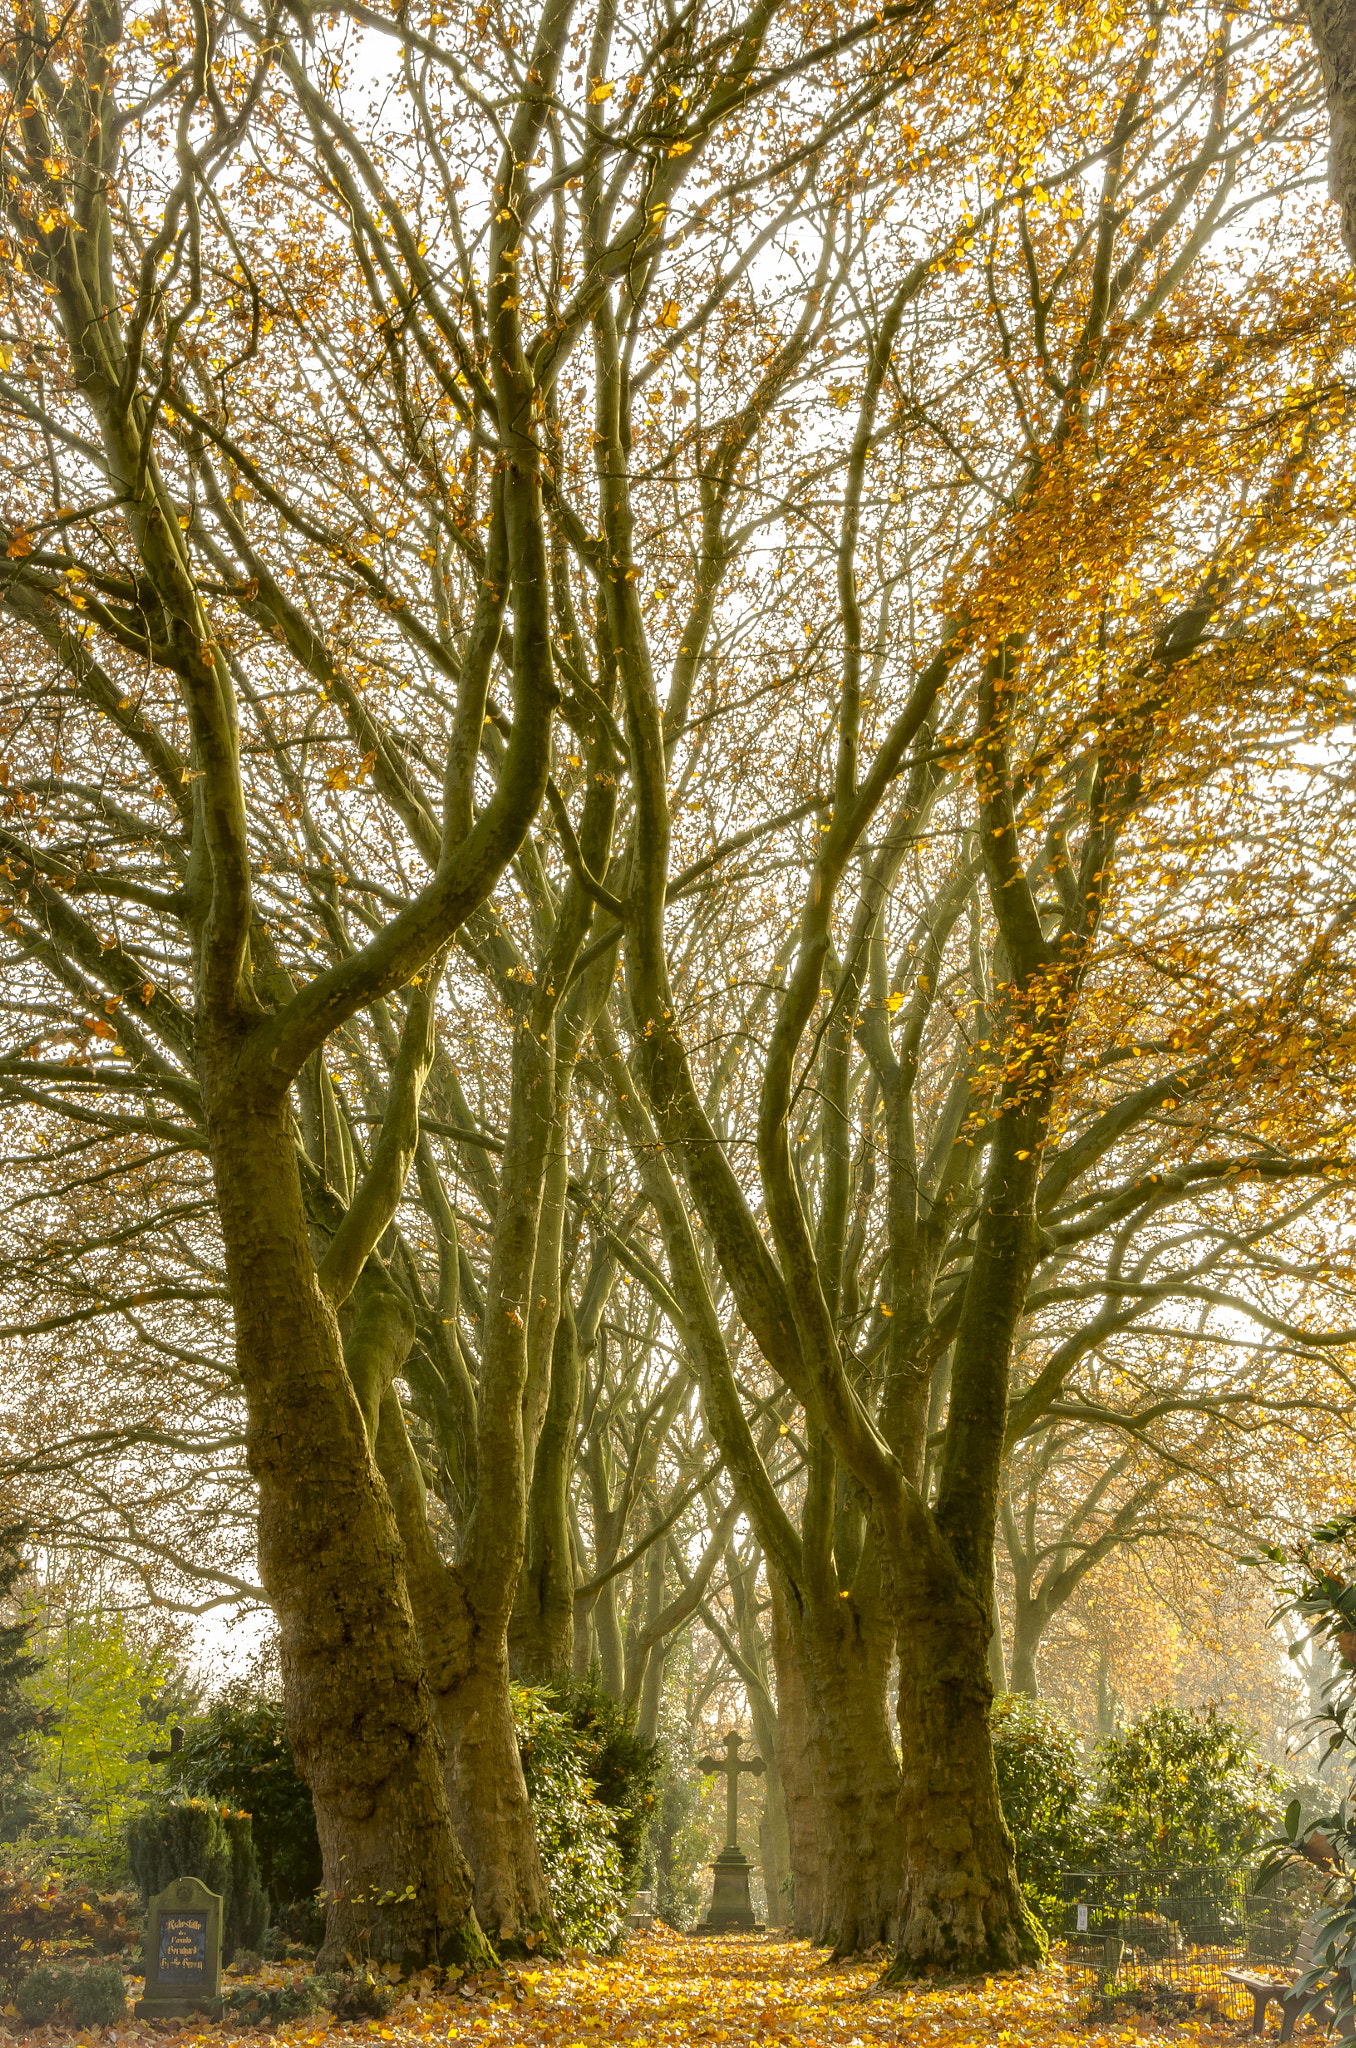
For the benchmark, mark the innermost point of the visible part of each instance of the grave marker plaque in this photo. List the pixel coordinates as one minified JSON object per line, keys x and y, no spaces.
{"x":183,"y":1950}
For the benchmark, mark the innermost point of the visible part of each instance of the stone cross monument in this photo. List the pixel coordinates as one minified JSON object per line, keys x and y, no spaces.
{"x":731,"y":1908}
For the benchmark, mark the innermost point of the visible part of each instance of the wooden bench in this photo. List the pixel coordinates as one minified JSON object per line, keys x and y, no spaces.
{"x":1291,"y":2002}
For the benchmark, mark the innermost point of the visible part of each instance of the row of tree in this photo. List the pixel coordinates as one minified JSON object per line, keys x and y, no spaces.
{"x":675,"y":853}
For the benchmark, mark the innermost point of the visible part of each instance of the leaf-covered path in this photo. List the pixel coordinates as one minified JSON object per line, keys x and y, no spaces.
{"x":672,"y":1990}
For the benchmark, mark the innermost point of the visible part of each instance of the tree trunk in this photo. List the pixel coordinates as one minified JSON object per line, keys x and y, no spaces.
{"x":359,"y":1714}
{"x":1106,"y":1697}
{"x":793,"y":1761}
{"x":548,"y":1290}
{"x":1333,"y":23}
{"x":489,"y":1801}
{"x":652,"y":1693}
{"x":1026,"y":1642}
{"x":611,"y":1654}
{"x":466,"y":1654}
{"x":856,"y":1779}
{"x":541,"y":1633}
{"x":774,"y":1840}
{"x":960,"y":1905}
{"x":774,"y":1852}
{"x":646,"y":1648}
{"x":585,"y":1653}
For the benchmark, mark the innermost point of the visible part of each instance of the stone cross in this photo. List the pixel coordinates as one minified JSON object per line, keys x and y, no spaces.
{"x":162,"y":1756}
{"x":729,"y":1768}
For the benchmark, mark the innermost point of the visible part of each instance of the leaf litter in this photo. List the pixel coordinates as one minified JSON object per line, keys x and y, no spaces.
{"x":669,"y":1990}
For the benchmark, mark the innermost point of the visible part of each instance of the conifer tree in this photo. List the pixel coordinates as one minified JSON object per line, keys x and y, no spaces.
{"x":21,"y":1717}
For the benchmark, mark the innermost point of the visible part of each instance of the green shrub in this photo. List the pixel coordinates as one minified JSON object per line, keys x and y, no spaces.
{"x":1042,"y":1786}
{"x":625,"y":1767}
{"x":93,"y":1998}
{"x":576,"y":1832}
{"x":259,"y":2005}
{"x":238,"y":1753}
{"x":190,"y":1838}
{"x":1321,"y":1597}
{"x":1182,"y":1789}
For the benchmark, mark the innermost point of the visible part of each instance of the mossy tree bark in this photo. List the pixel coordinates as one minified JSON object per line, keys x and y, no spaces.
{"x":794,"y":1764}
{"x":846,"y":1640}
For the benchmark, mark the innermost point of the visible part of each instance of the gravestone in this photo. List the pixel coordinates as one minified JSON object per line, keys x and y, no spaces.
{"x":731,"y":1908}
{"x":182,"y":1949}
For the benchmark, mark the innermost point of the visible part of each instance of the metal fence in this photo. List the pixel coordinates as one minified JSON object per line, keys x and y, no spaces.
{"x":1163,"y":1944}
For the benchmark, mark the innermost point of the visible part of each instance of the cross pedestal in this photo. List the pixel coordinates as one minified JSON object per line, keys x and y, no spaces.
{"x":731,"y":1908}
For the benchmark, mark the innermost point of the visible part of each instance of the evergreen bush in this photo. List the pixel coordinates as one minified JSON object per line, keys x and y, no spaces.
{"x":238,"y":1753}
{"x":1042,"y":1785}
{"x":576,"y":1832}
{"x":94,"y":1997}
{"x":191,"y":1838}
{"x":1183,"y":1789}
{"x":625,"y":1767}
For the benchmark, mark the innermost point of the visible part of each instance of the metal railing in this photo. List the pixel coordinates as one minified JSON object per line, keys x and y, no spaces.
{"x":1163,"y":1944}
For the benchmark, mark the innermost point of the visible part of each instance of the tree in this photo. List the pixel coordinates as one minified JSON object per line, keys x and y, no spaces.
{"x":1333,"y":23}
{"x":23,"y":1719}
{"x":975,"y":1197}
{"x":1166,"y":1452}
{"x":188,"y":584}
{"x":103,"y":1690}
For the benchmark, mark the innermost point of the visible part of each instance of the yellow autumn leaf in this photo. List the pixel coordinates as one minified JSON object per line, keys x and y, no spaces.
{"x":669,"y":315}
{"x":600,"y":90}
